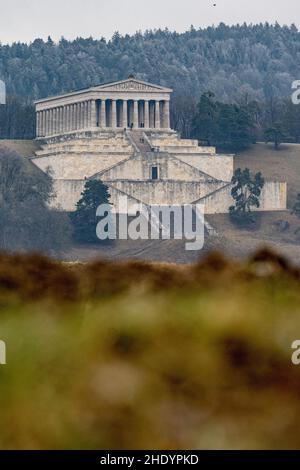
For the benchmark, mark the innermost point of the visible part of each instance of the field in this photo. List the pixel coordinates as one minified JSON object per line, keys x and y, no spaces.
{"x":139,"y":355}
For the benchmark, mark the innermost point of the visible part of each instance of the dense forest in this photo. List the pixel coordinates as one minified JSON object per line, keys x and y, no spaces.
{"x":252,"y":63}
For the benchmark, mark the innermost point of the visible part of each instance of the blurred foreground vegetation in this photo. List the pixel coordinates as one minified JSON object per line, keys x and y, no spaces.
{"x":136,"y":355}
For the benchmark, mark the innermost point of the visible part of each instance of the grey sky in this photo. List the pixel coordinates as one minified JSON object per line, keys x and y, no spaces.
{"x":25,"y":20}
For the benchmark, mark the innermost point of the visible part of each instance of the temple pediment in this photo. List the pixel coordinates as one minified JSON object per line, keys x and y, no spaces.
{"x":132,"y":84}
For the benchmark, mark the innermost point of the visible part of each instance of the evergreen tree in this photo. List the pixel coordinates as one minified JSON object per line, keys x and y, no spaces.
{"x":84,"y":219}
{"x":226,"y":126}
{"x":246,"y":192}
{"x":205,"y":121}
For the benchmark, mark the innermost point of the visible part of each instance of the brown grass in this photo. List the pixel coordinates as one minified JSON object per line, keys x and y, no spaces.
{"x":35,"y":277}
{"x":140,"y":355}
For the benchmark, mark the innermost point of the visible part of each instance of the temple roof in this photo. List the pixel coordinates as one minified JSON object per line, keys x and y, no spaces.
{"x":131,"y":84}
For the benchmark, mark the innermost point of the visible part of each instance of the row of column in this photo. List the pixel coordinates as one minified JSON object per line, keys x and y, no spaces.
{"x":103,"y":113}
{"x":134,"y":113}
{"x":66,"y":118}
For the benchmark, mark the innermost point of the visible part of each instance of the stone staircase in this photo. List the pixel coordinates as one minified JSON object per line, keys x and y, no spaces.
{"x":140,"y":141}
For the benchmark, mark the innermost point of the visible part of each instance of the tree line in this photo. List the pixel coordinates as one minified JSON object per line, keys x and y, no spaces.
{"x":258,"y":60}
{"x":243,"y":65}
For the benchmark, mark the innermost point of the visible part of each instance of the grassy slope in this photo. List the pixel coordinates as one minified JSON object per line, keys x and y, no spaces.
{"x":26,"y":148}
{"x":281,"y":165}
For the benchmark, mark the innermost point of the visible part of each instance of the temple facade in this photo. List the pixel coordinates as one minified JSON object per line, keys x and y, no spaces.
{"x":120,"y":133}
{"x":127,"y":104}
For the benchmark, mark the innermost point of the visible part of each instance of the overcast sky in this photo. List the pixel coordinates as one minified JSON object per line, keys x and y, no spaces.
{"x":24,"y":20}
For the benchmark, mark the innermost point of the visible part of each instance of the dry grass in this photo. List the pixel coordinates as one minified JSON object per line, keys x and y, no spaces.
{"x":133,"y":355}
{"x":281,"y":165}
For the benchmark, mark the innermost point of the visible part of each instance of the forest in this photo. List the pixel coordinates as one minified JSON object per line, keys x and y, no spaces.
{"x":238,"y":64}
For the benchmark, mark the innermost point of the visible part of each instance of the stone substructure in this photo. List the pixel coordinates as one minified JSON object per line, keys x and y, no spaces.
{"x":132,"y":149}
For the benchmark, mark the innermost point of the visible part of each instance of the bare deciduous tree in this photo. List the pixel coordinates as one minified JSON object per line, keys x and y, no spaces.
{"x":26,"y":221}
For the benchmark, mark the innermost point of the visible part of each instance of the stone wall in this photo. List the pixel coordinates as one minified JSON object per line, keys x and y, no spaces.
{"x":219,"y":200}
{"x":166,"y":192}
{"x":170,"y":167}
{"x":72,"y":166}
{"x":273,"y":198}
{"x":220,"y":167}
{"x":68,"y":193}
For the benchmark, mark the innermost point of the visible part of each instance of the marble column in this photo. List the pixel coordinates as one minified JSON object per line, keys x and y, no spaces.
{"x":81,"y":116}
{"x":63,"y":112}
{"x":61,"y":116}
{"x":103,"y":114}
{"x":114,"y":113}
{"x":74,"y":125}
{"x":86,"y":114}
{"x":58,"y":120}
{"x":70,"y":118}
{"x":93,"y":114}
{"x":55,"y":121}
{"x":89,"y":114}
{"x":47,"y":122}
{"x":135,"y":114}
{"x":44,"y":122}
{"x":77,"y":112}
{"x":41,"y":123}
{"x":66,"y":117}
{"x":125,"y":115}
{"x":51,"y":123}
{"x":157,"y":115}
{"x":78,"y":116}
{"x":65,"y":120}
{"x":152,"y":115}
{"x":166,"y":113}
{"x":38,"y":130}
{"x":146,"y":114}
{"x":69,"y":122}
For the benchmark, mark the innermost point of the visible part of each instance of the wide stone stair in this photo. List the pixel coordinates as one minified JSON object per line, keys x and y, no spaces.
{"x":140,"y":141}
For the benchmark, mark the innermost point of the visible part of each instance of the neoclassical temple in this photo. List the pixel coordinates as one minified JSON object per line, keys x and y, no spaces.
{"x":120,"y":133}
{"x":126,"y":104}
